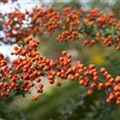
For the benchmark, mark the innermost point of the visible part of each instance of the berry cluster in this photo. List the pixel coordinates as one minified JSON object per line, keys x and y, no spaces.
{"x":26,"y":71}
{"x":30,"y":66}
{"x":94,"y":25}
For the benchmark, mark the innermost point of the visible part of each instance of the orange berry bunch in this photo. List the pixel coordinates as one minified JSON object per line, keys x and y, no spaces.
{"x":93,"y":25}
{"x":26,"y":72}
{"x":7,"y":78}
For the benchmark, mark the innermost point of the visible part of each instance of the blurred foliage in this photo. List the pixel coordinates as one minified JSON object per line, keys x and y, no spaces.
{"x":69,"y":102}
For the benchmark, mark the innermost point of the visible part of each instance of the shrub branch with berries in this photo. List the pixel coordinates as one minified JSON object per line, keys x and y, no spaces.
{"x":27,"y":70}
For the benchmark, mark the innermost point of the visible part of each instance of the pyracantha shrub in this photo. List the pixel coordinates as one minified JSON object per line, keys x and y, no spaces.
{"x":26,"y":71}
{"x":94,"y":25}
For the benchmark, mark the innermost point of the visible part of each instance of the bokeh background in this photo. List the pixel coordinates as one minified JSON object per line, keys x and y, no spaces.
{"x":69,"y":102}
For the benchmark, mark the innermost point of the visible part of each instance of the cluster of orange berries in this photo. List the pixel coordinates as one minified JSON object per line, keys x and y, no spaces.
{"x":7,"y":78}
{"x":94,"y":25}
{"x":30,"y":66}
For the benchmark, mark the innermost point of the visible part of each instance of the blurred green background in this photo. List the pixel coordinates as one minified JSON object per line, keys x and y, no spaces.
{"x":69,"y":102}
